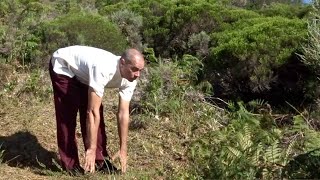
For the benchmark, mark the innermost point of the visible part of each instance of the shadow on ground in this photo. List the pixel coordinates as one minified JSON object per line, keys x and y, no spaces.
{"x":22,"y":149}
{"x":304,"y":166}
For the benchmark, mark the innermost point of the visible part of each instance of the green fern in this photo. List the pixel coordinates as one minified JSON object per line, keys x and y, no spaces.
{"x":244,"y":149}
{"x":288,"y":153}
{"x":235,"y":153}
{"x":310,"y":138}
{"x":255,"y":158}
{"x":273,"y":153}
{"x":245,"y":138}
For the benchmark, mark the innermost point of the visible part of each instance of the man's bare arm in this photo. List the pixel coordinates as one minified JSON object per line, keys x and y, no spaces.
{"x":92,"y":123}
{"x":123,"y":126}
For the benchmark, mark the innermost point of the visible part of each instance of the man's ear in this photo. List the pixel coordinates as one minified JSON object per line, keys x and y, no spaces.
{"x":122,"y":61}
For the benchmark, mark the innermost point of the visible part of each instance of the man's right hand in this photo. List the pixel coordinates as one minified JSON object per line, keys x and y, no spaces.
{"x":92,"y":123}
{"x":90,"y":160}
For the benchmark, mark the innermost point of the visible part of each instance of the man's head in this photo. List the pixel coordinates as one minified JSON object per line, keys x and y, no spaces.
{"x":131,"y":63}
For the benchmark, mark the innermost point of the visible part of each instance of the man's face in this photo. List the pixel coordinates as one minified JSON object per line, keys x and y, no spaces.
{"x":131,"y":70}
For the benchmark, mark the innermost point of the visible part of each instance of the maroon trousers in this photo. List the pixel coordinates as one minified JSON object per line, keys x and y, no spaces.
{"x":71,"y":96}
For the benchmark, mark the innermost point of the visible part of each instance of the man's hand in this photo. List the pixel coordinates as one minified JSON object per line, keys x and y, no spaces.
{"x":90,"y":161}
{"x":123,"y":127}
{"x":92,"y":123}
{"x":123,"y":160}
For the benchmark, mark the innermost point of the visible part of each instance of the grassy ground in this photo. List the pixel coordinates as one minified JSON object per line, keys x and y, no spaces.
{"x":157,"y":145}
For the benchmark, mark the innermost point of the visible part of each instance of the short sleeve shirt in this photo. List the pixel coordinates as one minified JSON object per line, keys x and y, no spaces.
{"x":94,"y":67}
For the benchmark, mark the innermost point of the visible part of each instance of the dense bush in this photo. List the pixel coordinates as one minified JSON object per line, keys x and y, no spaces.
{"x":84,"y":29}
{"x":169,"y":84}
{"x":17,"y":20}
{"x":285,"y":10}
{"x":167,"y":25}
{"x":247,"y":57}
{"x":130,"y":25}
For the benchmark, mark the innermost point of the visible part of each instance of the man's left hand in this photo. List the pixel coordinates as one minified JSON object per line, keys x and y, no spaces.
{"x":90,"y":161}
{"x":123,"y":159}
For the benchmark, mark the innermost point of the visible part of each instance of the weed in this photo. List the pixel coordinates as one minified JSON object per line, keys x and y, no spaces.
{"x":1,"y":154}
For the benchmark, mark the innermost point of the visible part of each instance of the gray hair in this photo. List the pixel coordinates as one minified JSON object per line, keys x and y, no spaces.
{"x":130,"y":54}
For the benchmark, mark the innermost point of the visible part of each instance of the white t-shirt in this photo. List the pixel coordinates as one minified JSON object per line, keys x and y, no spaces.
{"x":94,"y":67}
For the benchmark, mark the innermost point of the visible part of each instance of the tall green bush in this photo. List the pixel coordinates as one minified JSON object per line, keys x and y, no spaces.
{"x":285,"y":10}
{"x":130,"y":25}
{"x":18,"y":20}
{"x":83,"y":29}
{"x":167,"y":25}
{"x":247,"y":56}
{"x":245,"y":52}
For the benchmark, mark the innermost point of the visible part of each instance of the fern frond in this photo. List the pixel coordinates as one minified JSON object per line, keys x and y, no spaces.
{"x":255,"y":158}
{"x":257,"y":102}
{"x":273,"y":153}
{"x":235,"y":153}
{"x":288,"y":152}
{"x":245,"y":138}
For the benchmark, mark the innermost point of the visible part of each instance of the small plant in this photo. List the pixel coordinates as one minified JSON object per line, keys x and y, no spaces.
{"x":1,"y":153}
{"x":169,"y":83}
{"x":311,"y":55}
{"x":8,"y":87}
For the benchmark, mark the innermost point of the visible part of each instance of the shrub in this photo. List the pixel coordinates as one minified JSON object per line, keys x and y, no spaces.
{"x":19,"y":18}
{"x":130,"y":25}
{"x":167,"y":25}
{"x":84,"y":29}
{"x":310,"y":51}
{"x":285,"y":10}
{"x":164,"y":91}
{"x":168,"y":83}
{"x":199,"y":43}
{"x":247,"y":57}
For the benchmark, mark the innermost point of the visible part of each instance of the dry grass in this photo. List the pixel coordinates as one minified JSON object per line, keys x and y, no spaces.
{"x":157,"y":145}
